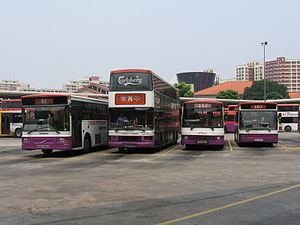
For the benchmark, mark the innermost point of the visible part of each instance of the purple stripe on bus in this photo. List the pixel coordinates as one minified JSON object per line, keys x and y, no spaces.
{"x":258,"y":138}
{"x":57,"y":143}
{"x":230,"y":128}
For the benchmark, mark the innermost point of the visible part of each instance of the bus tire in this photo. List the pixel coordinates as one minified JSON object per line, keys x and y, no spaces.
{"x":288,"y":129}
{"x":47,"y":151}
{"x":18,"y":133}
{"x":121,"y":150}
{"x":187,"y":146}
{"x":160,"y":145}
{"x":87,"y":145}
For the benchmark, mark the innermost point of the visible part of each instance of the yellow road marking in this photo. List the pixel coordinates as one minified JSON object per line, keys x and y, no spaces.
{"x":229,"y":205}
{"x":171,"y":150}
{"x":230,"y":146}
{"x":289,"y":148}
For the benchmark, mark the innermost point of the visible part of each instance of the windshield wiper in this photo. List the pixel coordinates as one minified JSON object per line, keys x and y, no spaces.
{"x":52,"y":129}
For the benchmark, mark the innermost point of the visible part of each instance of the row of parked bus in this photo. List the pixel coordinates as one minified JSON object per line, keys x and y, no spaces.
{"x":288,"y":117}
{"x":143,"y":111}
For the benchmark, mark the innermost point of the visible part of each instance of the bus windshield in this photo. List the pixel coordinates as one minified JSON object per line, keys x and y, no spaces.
{"x":47,"y":119}
{"x":258,"y":120}
{"x":202,"y":117}
{"x":131,"y":119}
{"x":131,"y":82}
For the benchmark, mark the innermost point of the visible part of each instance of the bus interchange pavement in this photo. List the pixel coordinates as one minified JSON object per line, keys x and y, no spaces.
{"x":236,"y":185}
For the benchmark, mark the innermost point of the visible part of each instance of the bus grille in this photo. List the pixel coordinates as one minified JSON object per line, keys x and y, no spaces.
{"x":129,"y":138}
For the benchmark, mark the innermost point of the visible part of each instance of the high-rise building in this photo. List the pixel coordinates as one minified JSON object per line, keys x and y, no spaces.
{"x":284,"y":71}
{"x":12,"y":85}
{"x":199,"y":80}
{"x":252,"y":71}
{"x":75,"y":85}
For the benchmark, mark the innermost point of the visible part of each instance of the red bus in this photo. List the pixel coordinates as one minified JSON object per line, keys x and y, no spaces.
{"x":230,"y":118}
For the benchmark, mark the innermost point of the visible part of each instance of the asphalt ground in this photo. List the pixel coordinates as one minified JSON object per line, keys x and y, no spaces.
{"x":236,"y":185}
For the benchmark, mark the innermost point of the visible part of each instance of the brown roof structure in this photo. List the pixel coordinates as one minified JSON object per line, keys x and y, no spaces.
{"x":238,"y":86}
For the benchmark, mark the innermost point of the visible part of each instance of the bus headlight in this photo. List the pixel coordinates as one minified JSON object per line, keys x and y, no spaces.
{"x":218,"y":138}
{"x":185,"y":137}
{"x":64,"y":140}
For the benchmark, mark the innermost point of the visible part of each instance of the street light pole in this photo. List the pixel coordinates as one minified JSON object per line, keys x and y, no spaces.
{"x":265,"y":84}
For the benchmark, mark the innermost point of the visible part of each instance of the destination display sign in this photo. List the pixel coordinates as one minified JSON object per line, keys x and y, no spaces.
{"x":61,"y":100}
{"x":258,"y":106}
{"x":130,"y":99}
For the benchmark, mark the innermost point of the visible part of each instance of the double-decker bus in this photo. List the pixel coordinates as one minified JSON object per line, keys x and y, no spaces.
{"x":11,"y":118}
{"x":202,"y":123}
{"x":257,"y":123}
{"x":230,"y":118}
{"x":63,"y":122}
{"x":143,"y":110}
{"x":288,"y":115}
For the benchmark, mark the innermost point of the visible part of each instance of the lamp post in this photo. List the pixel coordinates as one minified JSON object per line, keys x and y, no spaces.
{"x":265,"y":84}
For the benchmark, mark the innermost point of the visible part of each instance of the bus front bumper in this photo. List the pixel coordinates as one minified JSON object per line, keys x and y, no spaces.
{"x":258,"y":138}
{"x":202,"y":140}
{"x":57,"y":143}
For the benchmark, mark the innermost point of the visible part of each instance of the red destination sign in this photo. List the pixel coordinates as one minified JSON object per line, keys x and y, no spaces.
{"x":130,"y":99}
{"x":43,"y":101}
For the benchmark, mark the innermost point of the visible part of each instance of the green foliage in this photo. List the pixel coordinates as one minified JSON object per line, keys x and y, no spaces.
{"x":184,"y":90}
{"x":274,"y":91}
{"x":228,"y":94}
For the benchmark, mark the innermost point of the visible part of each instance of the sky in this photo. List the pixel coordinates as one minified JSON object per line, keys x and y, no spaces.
{"x":46,"y":43}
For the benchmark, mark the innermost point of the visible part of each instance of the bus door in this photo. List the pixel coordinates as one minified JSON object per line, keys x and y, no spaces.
{"x":76,"y":128}
{"x":5,"y":123}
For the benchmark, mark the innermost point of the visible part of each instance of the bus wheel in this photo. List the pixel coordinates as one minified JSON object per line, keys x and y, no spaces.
{"x":18,"y":133}
{"x":187,"y":146}
{"x":288,"y":129}
{"x":122,"y":150}
{"x":47,"y":151}
{"x":87,"y":145}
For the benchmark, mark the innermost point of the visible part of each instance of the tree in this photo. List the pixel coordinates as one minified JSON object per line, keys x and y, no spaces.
{"x":274,"y":90}
{"x":184,"y":90}
{"x":228,"y":94}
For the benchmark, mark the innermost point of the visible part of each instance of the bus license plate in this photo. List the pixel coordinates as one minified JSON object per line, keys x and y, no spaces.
{"x":129,"y":146}
{"x":258,"y":139}
{"x":43,"y":146}
{"x":202,"y":142}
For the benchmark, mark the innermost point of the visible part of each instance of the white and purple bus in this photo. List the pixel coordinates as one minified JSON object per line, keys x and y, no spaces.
{"x":288,"y":115}
{"x":202,"y":123}
{"x":257,"y":123}
{"x":63,"y":122}
{"x":11,"y":118}
{"x":143,"y":110}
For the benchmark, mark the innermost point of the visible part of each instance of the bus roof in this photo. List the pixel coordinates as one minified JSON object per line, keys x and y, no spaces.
{"x":64,"y":95}
{"x":258,"y":103}
{"x":11,"y":100}
{"x":46,"y":95}
{"x":131,"y":71}
{"x":203,"y":101}
{"x":288,"y":104}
